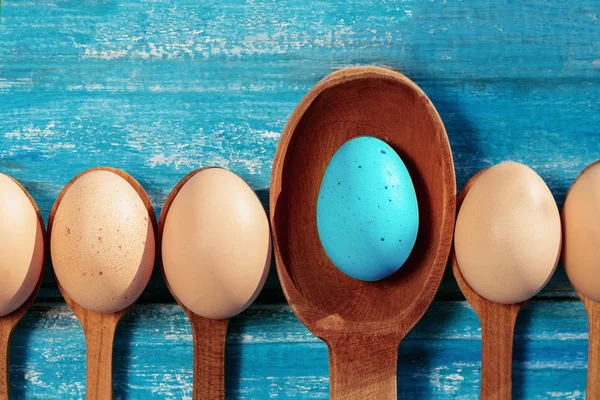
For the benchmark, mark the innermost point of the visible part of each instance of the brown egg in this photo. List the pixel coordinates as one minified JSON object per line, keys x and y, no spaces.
{"x":102,"y":242}
{"x":581,"y":226}
{"x":216,"y":244}
{"x":508,"y":234}
{"x":21,"y":246}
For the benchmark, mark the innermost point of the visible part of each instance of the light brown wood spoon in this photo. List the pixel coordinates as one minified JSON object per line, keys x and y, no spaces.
{"x":9,"y":321}
{"x":362,"y":322}
{"x":580,"y":217}
{"x":498,"y":319}
{"x":215,"y":251}
{"x":99,"y":326}
{"x":593,"y":374}
{"x":497,"y":330}
{"x":209,"y":335}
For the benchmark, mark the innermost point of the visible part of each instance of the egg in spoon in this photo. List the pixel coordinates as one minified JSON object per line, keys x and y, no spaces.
{"x":362,"y":303}
{"x":102,"y":246}
{"x":581,"y":259}
{"x":507,"y":243}
{"x":21,"y":264}
{"x":215,"y":246}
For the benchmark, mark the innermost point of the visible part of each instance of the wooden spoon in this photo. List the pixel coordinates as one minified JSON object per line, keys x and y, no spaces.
{"x":361,"y":322}
{"x":484,"y":233}
{"x":8,"y":322}
{"x":497,"y":329}
{"x":579,"y":273}
{"x":98,"y":328}
{"x":593,"y":375}
{"x":209,"y":335}
{"x":215,"y":205}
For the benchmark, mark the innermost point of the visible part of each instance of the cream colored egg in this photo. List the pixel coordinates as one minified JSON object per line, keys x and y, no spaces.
{"x":216,"y":245}
{"x":21,"y":246}
{"x":581,"y":227}
{"x":508,"y":234}
{"x":102,"y":242}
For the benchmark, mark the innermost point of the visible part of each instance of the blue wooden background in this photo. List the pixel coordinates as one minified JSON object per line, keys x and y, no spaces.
{"x":161,"y":87}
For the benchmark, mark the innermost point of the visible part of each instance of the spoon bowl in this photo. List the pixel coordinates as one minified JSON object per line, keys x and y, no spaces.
{"x":362,"y":322}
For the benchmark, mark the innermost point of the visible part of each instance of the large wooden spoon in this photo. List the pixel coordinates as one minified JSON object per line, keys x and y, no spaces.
{"x":362,"y":323}
{"x":580,"y":216}
{"x":99,"y":327}
{"x":8,"y":322}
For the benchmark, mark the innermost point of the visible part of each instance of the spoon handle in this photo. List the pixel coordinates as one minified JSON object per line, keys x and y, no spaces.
{"x":209,"y":357}
{"x":363,"y":367}
{"x":99,"y":330}
{"x":497,"y":331}
{"x":593,"y":378}
{"x":6,"y":328}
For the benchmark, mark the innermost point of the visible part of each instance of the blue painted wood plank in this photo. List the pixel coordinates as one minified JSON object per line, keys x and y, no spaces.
{"x":271,"y":354}
{"x":160,"y":88}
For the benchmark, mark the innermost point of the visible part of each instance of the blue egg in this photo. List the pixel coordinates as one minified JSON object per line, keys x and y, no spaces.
{"x":367,"y":212}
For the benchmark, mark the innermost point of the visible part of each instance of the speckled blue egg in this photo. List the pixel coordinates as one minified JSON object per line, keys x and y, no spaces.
{"x":367,"y":212}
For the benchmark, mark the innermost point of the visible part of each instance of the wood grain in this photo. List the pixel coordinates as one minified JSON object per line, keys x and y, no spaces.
{"x":99,"y":332}
{"x":497,"y":326}
{"x":340,"y":310}
{"x":99,"y":329}
{"x":497,"y":331}
{"x":593,"y":374}
{"x":5,"y":333}
{"x":209,"y":357}
{"x":363,"y":367}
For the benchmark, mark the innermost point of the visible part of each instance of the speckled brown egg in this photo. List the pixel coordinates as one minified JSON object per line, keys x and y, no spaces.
{"x":21,"y":246}
{"x":581,"y":226}
{"x":216,"y":244}
{"x":102,"y":242}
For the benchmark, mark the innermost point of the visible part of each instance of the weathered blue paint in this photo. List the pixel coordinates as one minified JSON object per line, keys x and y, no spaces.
{"x":271,"y":354}
{"x":161,"y":87}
